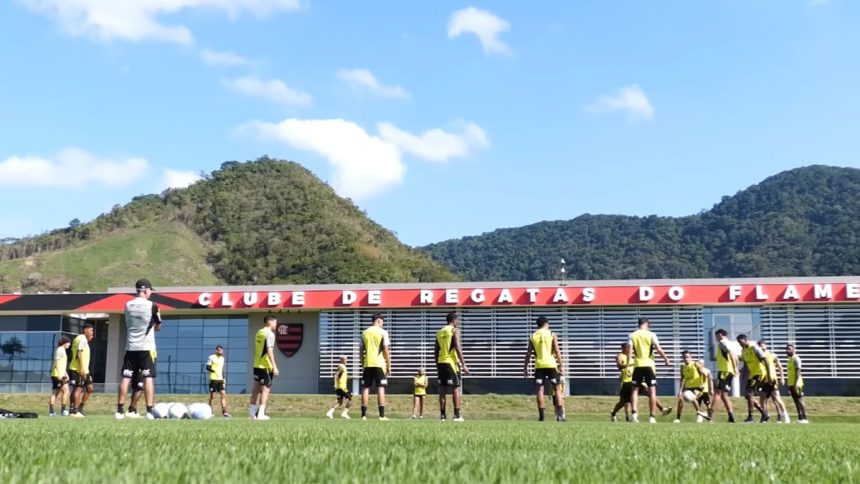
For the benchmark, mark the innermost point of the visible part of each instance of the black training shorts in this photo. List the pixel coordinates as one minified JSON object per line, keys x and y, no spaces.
{"x":644,"y":376}
{"x":138,"y":361}
{"x":724,"y":381}
{"x":753,"y":385}
{"x":76,"y":380}
{"x":343,"y":394}
{"x":447,"y":376}
{"x":216,"y":386}
{"x":546,"y":375}
{"x":373,"y":375}
{"x":57,"y":383}
{"x":264,"y":377}
{"x":625,"y":392}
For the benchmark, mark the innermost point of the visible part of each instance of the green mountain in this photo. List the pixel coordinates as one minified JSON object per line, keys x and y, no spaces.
{"x":801,"y":222}
{"x":260,"y":222}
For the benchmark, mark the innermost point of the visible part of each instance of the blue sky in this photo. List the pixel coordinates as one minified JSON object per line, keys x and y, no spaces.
{"x":440,"y":119}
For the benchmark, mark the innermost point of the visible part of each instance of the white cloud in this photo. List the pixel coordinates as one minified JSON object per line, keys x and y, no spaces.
{"x":272,"y":90}
{"x":178,"y":178}
{"x":226,"y":58}
{"x":72,"y":168}
{"x":630,"y":99}
{"x":365,"y":80}
{"x":364,"y":165}
{"x":137,"y":20}
{"x":486,"y":26}
{"x":436,"y":144}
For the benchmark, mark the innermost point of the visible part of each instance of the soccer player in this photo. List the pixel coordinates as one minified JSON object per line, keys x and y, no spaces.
{"x":217,"y":382}
{"x":142,"y":321}
{"x":795,"y":382}
{"x":60,"y":378}
{"x":265,"y":368}
{"x":705,"y":397}
{"x":692,"y":380}
{"x":756,"y":369}
{"x":79,"y":371}
{"x":771,"y":382}
{"x":376,"y":364}
{"x":642,"y":344}
{"x":341,"y":390}
{"x":449,"y":360}
{"x":548,"y":367}
{"x":625,"y":367}
{"x":419,"y":383}
{"x":727,"y":367}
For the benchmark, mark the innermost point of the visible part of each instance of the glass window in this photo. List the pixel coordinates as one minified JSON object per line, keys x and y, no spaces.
{"x":168,"y":330}
{"x":190,"y":331}
{"x":215,"y":331}
{"x":191,"y":354}
{"x":44,"y":323}
{"x":215,"y":322}
{"x":209,"y":344}
{"x":238,"y":332}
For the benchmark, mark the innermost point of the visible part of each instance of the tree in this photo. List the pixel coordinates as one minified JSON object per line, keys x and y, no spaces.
{"x":74,"y":223}
{"x":13,"y":347}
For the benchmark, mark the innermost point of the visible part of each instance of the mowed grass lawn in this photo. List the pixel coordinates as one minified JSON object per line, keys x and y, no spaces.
{"x":298,"y":446}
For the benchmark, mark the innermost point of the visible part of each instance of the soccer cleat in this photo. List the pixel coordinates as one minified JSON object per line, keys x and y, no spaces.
{"x":666,"y":411}
{"x":226,"y":415}
{"x":344,"y":415}
{"x":786,"y":419}
{"x":764,"y":419}
{"x":749,"y":420}
{"x":459,"y":419}
{"x":77,"y":415}
{"x":65,"y":413}
{"x":414,"y":417}
{"x":421,"y":417}
{"x":652,"y":420}
{"x":118,"y":416}
{"x":677,"y":420}
{"x":561,"y":418}
{"x":133,"y":415}
{"x":634,"y":418}
{"x":330,"y":413}
{"x":364,"y":419}
{"x":383,"y":419}
{"x":703,"y":415}
{"x":613,"y":418}
{"x":803,"y":421}
{"x":52,"y":414}
{"x":263,"y":417}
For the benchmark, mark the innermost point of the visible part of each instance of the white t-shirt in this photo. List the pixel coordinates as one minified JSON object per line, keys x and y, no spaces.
{"x":141,"y":316}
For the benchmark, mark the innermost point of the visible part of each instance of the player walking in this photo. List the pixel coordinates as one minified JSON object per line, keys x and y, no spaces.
{"x":60,"y":377}
{"x":341,"y":390}
{"x":142,"y":321}
{"x":727,"y":367}
{"x":771,"y":382}
{"x":449,"y":359}
{"x":79,"y":371}
{"x":795,"y":382}
{"x":217,"y":383}
{"x":548,"y":367}
{"x":643,"y":343}
{"x":265,"y":368}
{"x":756,"y":369}
{"x":376,"y":364}
{"x":625,"y":367}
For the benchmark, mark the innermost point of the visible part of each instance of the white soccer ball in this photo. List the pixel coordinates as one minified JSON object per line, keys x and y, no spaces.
{"x":689,"y":396}
{"x":200,"y":411}
{"x":177,"y":410}
{"x":160,"y":410}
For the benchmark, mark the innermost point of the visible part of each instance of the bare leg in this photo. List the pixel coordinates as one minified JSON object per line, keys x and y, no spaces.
{"x":634,"y":400}
{"x":211,"y":397}
{"x":652,"y":400}
{"x":223,"y":401}
{"x":559,"y":399}
{"x":149,"y":392}
{"x":443,"y":401}
{"x":123,"y":390}
{"x":540,"y":402}
{"x":380,"y":399}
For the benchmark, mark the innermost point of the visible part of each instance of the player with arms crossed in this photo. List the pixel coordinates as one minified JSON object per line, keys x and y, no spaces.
{"x":376,"y":363}
{"x":642,"y":345}
{"x":419,"y":391}
{"x":217,"y":383}
{"x":449,"y":359}
{"x":265,"y":368}
{"x":341,"y":390}
{"x":79,"y":371}
{"x":727,"y":367}
{"x":60,"y":377}
{"x":549,"y":368}
{"x":795,"y":382}
{"x":142,"y":320}
{"x":695,"y":381}
{"x":625,"y":367}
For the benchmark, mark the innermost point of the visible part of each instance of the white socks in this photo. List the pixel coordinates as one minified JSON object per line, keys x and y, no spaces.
{"x":261,"y":411}
{"x":253,"y":411}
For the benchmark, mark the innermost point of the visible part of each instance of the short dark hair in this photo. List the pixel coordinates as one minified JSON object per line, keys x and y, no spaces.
{"x":686,"y":352}
{"x":643,"y":321}
{"x":542,"y":321}
{"x":624,"y":344}
{"x":219,"y":346}
{"x":376,"y":316}
{"x":761,"y":342}
{"x":721,"y":332}
{"x":741,"y":336}
{"x":63,"y":340}
{"x":451,"y":317}
{"x":790,"y":344}
{"x":268,"y":318}
{"x":89,"y":325}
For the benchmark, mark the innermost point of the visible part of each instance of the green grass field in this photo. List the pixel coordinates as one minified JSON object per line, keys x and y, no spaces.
{"x":298,"y":445}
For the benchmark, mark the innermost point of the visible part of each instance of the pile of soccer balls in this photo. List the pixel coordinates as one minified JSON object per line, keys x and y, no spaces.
{"x":196,"y":411}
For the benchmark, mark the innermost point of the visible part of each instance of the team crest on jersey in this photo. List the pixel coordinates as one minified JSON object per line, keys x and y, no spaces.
{"x":289,"y":338}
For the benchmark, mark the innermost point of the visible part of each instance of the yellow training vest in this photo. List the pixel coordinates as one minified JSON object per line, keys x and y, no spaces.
{"x":83,"y":355}
{"x":627,"y":370}
{"x":643,"y":348}
{"x":692,"y":378}
{"x":445,"y":341}
{"x":771,"y":366}
{"x":420,"y":385}
{"x":755,"y":366}
{"x":542,"y":343}
{"x":795,"y":379}
{"x":373,"y":339}
{"x":261,"y":346}
{"x":725,"y":364}
{"x":217,"y":364}
{"x":340,"y":383}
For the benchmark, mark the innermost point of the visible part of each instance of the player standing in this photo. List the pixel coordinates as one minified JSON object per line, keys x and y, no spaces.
{"x":692,"y":380}
{"x":376,"y":364}
{"x":771,"y":382}
{"x":727,"y":367}
{"x":217,"y":383}
{"x":643,"y":343}
{"x":419,"y":384}
{"x":548,"y":367}
{"x":60,"y":377}
{"x":795,"y":382}
{"x":265,"y":368}
{"x":625,"y":367}
{"x":142,"y":321}
{"x":755,"y":367}
{"x":341,"y":390}
{"x":449,"y":359}
{"x":79,"y":371}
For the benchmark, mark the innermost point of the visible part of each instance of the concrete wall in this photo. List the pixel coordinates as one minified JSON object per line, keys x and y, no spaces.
{"x":300,"y":373}
{"x":115,"y":352}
